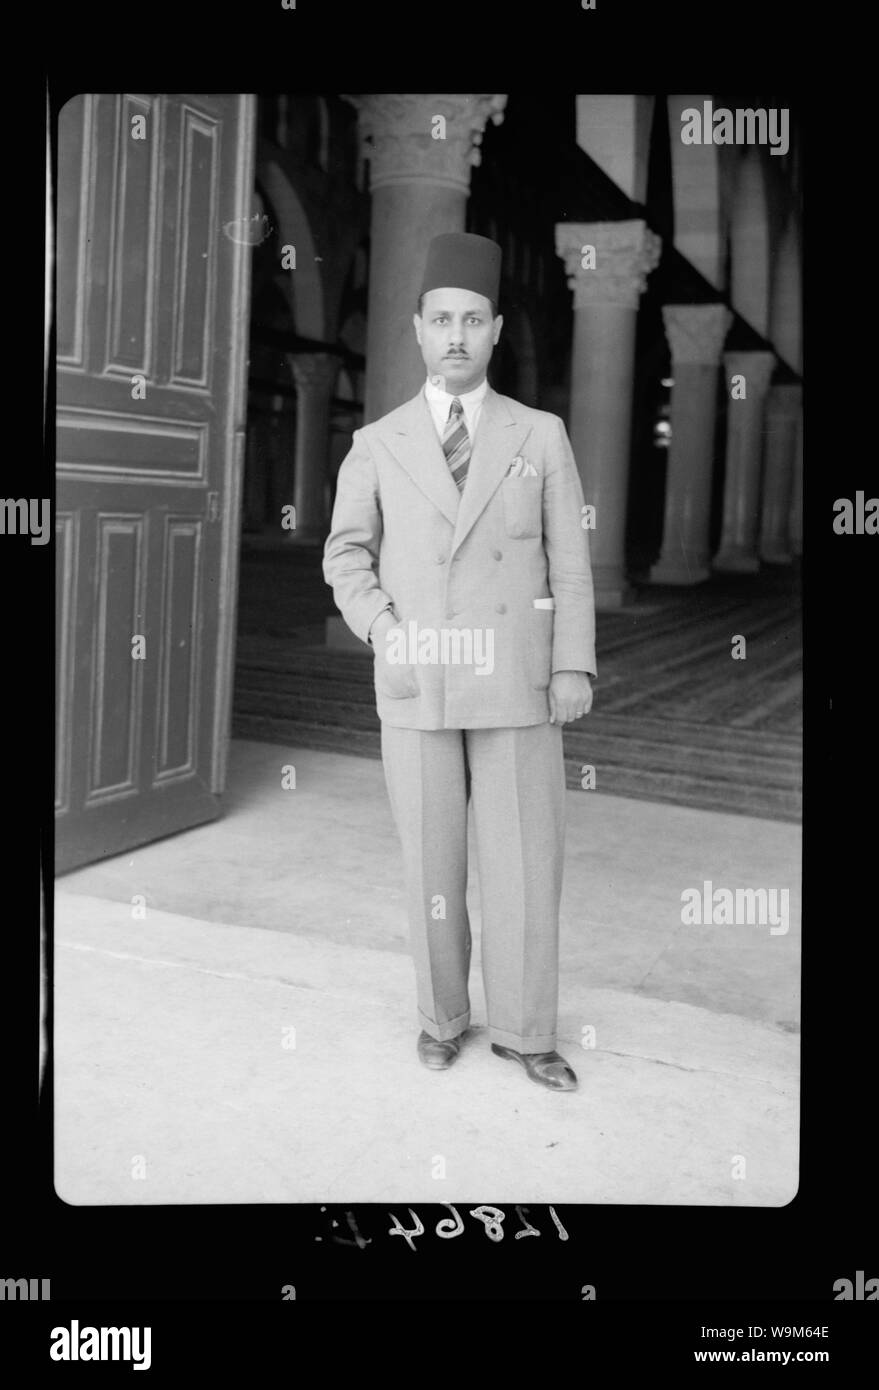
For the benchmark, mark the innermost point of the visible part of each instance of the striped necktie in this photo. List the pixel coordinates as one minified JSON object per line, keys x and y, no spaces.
{"x":456,"y":444}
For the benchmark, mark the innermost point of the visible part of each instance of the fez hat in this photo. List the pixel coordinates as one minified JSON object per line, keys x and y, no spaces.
{"x":463,"y":261}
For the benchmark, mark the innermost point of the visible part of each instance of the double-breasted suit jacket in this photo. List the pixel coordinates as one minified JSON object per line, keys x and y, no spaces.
{"x":402,"y":535}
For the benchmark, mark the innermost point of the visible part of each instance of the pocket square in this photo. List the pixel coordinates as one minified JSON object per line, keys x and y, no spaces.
{"x":521,"y":468}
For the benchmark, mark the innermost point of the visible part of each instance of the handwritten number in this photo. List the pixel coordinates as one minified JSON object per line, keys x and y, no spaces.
{"x":492,"y":1218}
{"x":398,"y":1230}
{"x":447,"y":1229}
{"x":563,"y":1235}
{"x":529,"y":1229}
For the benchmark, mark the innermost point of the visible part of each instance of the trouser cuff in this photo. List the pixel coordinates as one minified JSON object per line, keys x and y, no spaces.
{"x":443,"y":1032}
{"x":543,"y":1042}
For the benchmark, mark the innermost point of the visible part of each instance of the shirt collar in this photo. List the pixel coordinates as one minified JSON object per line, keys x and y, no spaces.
{"x":469,"y":399}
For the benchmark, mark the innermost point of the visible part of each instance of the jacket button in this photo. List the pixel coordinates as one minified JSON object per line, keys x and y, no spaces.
{"x":441,"y":559}
{"x":500,"y":608}
{"x":497,"y":554}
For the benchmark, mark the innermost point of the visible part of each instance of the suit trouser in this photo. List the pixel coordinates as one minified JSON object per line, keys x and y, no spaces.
{"x":515,"y":781}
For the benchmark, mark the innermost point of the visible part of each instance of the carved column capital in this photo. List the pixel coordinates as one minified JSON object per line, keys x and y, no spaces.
{"x":625,"y":254}
{"x":404,"y":140}
{"x":696,"y":332}
{"x":314,"y":372}
{"x":755,"y":367}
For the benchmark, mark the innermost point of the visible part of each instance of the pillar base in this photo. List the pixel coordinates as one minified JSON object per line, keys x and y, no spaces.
{"x":736,"y":562}
{"x":664,"y":572}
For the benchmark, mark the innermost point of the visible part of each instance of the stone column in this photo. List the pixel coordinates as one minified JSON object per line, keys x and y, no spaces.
{"x":695,"y":333}
{"x":782,"y":420}
{"x":606,"y":295}
{"x":315,"y":375}
{"x":744,"y":444}
{"x":786,"y":332}
{"x":421,"y":148}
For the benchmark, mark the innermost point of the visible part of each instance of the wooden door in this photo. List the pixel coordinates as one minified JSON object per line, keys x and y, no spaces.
{"x":152,"y":296}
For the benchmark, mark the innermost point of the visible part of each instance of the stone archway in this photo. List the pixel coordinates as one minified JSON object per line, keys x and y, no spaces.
{"x":786,"y":296}
{"x":698,"y":194}
{"x":749,"y":242}
{"x":308,"y":304}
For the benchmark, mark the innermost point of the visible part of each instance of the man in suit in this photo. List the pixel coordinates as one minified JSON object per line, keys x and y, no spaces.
{"x":458,"y":550}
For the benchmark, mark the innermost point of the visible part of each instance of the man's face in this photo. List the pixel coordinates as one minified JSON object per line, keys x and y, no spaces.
{"x":456,"y":334}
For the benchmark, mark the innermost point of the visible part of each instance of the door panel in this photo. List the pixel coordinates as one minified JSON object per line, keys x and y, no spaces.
{"x":152,"y":304}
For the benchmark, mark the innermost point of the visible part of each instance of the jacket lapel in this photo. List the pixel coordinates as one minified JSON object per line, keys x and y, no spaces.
{"x":414,"y":442}
{"x":499,"y":437}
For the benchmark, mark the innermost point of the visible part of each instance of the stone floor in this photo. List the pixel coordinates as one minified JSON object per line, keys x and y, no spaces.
{"x":234,"y":1015}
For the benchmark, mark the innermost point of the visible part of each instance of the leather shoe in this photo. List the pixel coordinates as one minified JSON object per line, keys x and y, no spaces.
{"x":438,"y":1055}
{"x":546,"y":1068}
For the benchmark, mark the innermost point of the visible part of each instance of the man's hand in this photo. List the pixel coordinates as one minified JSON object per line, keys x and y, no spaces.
{"x":397,"y":680}
{"x":570,"y":696}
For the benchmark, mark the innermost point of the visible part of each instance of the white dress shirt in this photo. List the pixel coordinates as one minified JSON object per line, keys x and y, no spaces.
{"x":440,"y":403}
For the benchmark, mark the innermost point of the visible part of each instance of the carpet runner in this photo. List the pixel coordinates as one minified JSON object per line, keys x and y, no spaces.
{"x":675,"y":718}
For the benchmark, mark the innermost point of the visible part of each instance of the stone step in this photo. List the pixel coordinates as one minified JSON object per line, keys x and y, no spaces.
{"x":276,"y":657}
{"x":622,"y":740}
{"x":708,"y":790}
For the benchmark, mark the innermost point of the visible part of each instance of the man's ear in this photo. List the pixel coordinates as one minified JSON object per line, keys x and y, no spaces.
{"x":416,"y":319}
{"x":498,"y":325}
